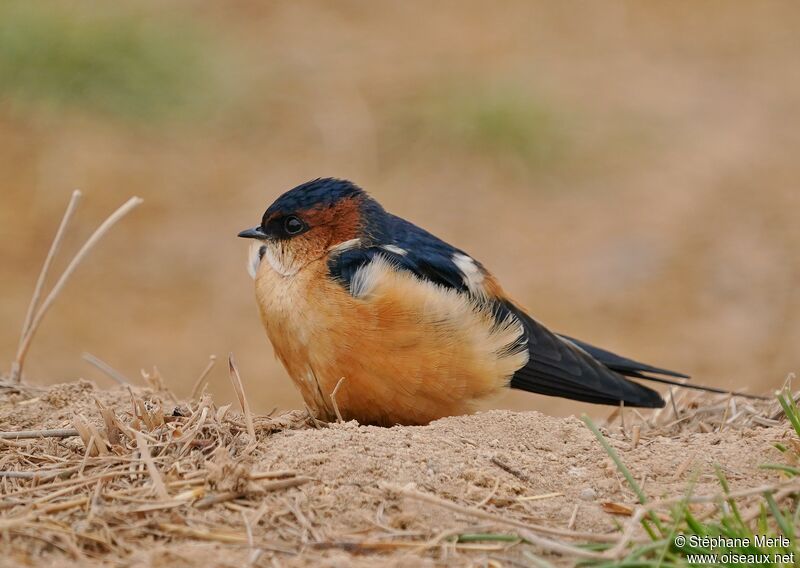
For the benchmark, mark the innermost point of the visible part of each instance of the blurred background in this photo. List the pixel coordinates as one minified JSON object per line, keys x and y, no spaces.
{"x":629,"y":170}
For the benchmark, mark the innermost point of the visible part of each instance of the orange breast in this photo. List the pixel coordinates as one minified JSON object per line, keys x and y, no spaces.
{"x":410,"y":351}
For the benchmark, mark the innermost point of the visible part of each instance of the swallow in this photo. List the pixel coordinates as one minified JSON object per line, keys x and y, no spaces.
{"x":408,"y":326}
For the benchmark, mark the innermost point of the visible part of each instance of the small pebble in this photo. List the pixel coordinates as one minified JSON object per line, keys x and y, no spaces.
{"x":588,"y":494}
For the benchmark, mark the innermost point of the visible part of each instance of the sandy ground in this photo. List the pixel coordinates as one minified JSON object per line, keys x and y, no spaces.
{"x":358,"y":498}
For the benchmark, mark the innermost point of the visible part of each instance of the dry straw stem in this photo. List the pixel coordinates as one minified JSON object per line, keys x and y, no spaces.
{"x":92,"y":440}
{"x":200,"y":382}
{"x":144,"y":452}
{"x":540,"y":497}
{"x":501,"y":463}
{"x":106,"y":368}
{"x":275,"y":474}
{"x":29,"y":331}
{"x":618,"y":551}
{"x":528,"y":527}
{"x":314,"y":420}
{"x":333,"y":400}
{"x":16,"y":371}
{"x":37,"y":475}
{"x":75,"y":483}
{"x":211,"y":500}
{"x":201,"y":534}
{"x":27,"y":434}
{"x":574,"y":517}
{"x":237,"y":386}
{"x":790,"y":485}
{"x":220,"y":536}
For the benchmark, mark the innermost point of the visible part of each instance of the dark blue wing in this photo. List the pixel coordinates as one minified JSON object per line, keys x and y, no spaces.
{"x":426,"y":266}
{"x":409,"y":248}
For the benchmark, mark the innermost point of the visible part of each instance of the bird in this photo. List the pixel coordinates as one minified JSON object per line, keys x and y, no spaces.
{"x":405,"y":327}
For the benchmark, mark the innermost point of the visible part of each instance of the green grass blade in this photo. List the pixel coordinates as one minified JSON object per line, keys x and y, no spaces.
{"x":791,"y":411}
{"x":780,"y":467}
{"x":612,"y":453}
{"x":723,"y":481}
{"x":785,"y":527}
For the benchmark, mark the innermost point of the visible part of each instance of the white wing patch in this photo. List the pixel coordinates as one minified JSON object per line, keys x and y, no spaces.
{"x":395,"y":249}
{"x":346,"y":245}
{"x":472,"y":275}
{"x":368,"y":275}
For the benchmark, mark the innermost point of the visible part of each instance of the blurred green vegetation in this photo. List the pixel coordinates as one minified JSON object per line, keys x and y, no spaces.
{"x":56,"y":58}
{"x":502,"y":122}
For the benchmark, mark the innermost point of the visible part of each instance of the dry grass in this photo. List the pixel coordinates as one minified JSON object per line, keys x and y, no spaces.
{"x":691,"y":411}
{"x":139,"y":470}
{"x":146,"y":458}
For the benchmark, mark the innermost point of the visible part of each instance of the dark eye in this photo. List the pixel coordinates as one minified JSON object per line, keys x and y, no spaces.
{"x":293,"y":225}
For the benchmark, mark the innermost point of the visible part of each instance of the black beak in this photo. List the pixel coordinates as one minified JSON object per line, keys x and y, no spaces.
{"x":254,"y":233}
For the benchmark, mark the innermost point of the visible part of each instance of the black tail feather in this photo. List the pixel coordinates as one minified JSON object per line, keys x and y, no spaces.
{"x":557,"y":367}
{"x":622,"y":365}
{"x":570,"y":368}
{"x":637,"y":370}
{"x":699,"y":387}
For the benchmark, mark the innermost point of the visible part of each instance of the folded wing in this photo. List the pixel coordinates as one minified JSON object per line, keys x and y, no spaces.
{"x":557,"y":366}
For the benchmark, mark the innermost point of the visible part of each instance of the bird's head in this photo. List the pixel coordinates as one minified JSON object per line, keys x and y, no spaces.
{"x":307,"y":222}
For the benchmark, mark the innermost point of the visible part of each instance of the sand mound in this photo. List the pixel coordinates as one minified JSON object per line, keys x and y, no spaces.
{"x":171,"y":483}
